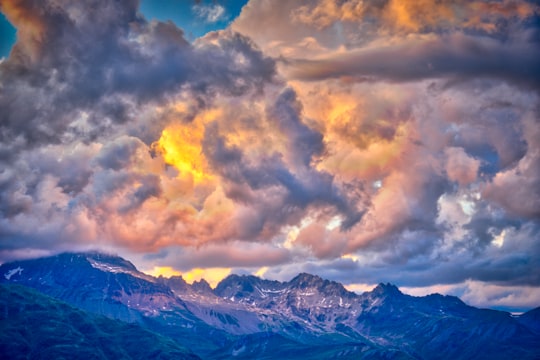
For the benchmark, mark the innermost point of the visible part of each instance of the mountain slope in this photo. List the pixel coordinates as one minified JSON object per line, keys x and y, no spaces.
{"x":444,"y":327}
{"x":35,"y":326}
{"x":268,"y":346}
{"x":96,"y":282}
{"x":531,"y":319}
{"x":249,"y":317}
{"x":111,"y":286}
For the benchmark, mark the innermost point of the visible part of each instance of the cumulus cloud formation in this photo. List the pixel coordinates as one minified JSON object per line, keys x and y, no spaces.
{"x":363,"y":141}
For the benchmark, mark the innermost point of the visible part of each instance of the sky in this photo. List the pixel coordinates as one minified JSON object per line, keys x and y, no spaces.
{"x":362,"y":141}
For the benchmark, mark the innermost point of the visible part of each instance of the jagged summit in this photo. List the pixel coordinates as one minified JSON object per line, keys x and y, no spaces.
{"x":176,"y":283}
{"x":201,"y":286}
{"x":305,"y":279}
{"x":237,"y":277}
{"x":242,"y":282}
{"x":324,"y":286}
{"x":387,"y":289}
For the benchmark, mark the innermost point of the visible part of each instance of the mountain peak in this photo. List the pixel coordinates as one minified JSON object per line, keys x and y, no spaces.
{"x":201,"y":286}
{"x":243,"y":279}
{"x":176,"y":283}
{"x":386,"y":289}
{"x":236,"y":285}
{"x":306,"y":280}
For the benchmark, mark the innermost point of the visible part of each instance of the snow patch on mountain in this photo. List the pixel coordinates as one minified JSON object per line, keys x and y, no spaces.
{"x":115,"y":269}
{"x":12,"y":272}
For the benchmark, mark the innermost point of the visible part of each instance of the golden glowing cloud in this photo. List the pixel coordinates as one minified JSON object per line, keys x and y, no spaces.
{"x":212,"y":275}
{"x":413,"y":15}
{"x":419,"y":14}
{"x":180,"y":145}
{"x":261,"y":271}
{"x":165,"y":271}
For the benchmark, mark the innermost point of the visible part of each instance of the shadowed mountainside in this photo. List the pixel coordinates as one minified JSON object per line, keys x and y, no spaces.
{"x":36,"y":326}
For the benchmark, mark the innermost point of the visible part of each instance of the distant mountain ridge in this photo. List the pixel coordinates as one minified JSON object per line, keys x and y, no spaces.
{"x":248,"y":317}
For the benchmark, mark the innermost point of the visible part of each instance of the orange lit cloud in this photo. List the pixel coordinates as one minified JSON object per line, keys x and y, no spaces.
{"x":180,"y":146}
{"x":165,"y":271}
{"x":212,"y":275}
{"x":414,"y":16}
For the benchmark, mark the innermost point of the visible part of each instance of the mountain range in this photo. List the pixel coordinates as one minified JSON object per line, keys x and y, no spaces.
{"x":246,"y":317}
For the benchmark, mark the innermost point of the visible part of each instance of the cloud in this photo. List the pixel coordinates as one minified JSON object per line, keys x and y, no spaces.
{"x":362,"y":141}
{"x":118,"y":154}
{"x":511,"y":265}
{"x":517,"y":190}
{"x":413,"y":16}
{"x":508,"y":298}
{"x":210,"y":13}
{"x":398,"y":40}
{"x":86,"y":73}
{"x":323,"y":242}
{"x":282,"y":186}
{"x":456,"y":56}
{"x":460,"y":167}
{"x":235,"y":254}
{"x":306,"y":143}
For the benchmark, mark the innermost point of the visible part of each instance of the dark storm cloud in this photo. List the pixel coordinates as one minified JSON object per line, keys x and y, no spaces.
{"x":230,"y":63}
{"x":78,"y":68}
{"x":482,"y":229}
{"x":13,"y":197}
{"x":282,"y":193}
{"x":275,"y":194}
{"x":106,"y":183}
{"x":58,"y":65}
{"x":455,"y":56}
{"x":118,"y":154}
{"x":149,"y":186}
{"x":305,"y":142}
{"x":515,"y":263}
{"x":495,"y":135}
